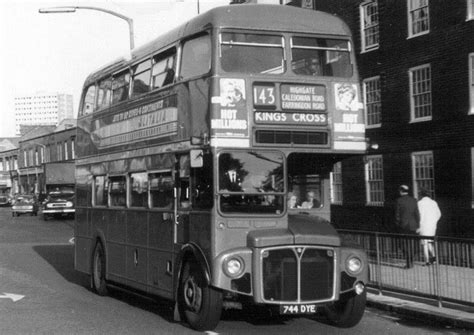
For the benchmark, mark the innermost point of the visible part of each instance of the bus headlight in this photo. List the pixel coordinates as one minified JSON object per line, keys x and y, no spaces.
{"x":354,"y":265}
{"x":69,"y":204}
{"x":233,"y":267}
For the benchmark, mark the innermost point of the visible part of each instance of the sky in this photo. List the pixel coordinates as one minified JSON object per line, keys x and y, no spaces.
{"x":56,"y":52}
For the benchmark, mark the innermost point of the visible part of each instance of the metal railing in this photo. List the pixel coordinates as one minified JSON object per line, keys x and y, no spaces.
{"x":397,"y":263}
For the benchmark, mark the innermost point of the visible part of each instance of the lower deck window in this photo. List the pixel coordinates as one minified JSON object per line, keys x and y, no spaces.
{"x":117,"y":191}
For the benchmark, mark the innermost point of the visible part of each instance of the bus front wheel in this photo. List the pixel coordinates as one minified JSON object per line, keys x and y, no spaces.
{"x":199,"y":304}
{"x":348,"y":311}
{"x":98,"y":282}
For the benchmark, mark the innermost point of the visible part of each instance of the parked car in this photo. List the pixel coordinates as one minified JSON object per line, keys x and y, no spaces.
{"x":5,"y":200}
{"x":59,"y":203}
{"x":24,"y":204}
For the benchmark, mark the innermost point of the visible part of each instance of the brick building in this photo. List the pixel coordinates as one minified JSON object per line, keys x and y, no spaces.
{"x":42,"y":148}
{"x":416,"y":63}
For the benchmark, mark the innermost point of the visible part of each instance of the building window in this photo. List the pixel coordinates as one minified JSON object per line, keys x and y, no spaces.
{"x":418,"y":17}
{"x":47,"y":156}
{"x":372,"y":99}
{"x":423,"y":172}
{"x":471,"y":82}
{"x":73,"y":148}
{"x":336,"y":184}
{"x":420,"y":93}
{"x":59,"y":151}
{"x":42,"y":154}
{"x":470,"y":9}
{"x":66,"y":153}
{"x":472,"y":177}
{"x":374,"y":181}
{"x":369,"y":14}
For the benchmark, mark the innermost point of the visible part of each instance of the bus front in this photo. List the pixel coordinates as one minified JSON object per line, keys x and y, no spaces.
{"x":285,"y":107}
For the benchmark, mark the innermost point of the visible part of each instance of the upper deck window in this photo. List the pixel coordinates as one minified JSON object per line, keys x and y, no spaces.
{"x":196,"y":59}
{"x":164,"y":68}
{"x":252,"y":53}
{"x":141,"y":78}
{"x":321,"y":57}
{"x":89,"y":100}
{"x":105,"y":93}
{"x":120,"y":85}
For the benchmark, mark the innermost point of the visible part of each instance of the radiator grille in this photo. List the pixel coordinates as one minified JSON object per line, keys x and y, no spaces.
{"x":298,"y":274}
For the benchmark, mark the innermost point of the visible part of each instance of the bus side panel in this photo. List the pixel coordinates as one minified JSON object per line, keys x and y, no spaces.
{"x":137,"y":240}
{"x":113,"y":224}
{"x":160,"y":253}
{"x":196,"y":228}
{"x":82,"y":241}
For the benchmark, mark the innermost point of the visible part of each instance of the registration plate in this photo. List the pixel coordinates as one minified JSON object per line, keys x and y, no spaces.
{"x":298,"y":309}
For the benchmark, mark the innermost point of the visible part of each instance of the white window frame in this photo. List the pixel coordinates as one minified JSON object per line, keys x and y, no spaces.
{"x":369,"y":23}
{"x":336,"y":184}
{"x":471,"y":82}
{"x":414,"y":7}
{"x":372,"y":100}
{"x":73,"y":148}
{"x":470,"y":10}
{"x":66,"y":154}
{"x":423,"y":172}
{"x":374,"y":181}
{"x":415,"y":96}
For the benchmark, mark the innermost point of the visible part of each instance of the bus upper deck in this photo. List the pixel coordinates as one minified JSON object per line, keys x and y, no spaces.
{"x":265,"y":79}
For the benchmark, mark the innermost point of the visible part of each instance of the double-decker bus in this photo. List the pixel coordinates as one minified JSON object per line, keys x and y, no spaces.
{"x":203,"y":166}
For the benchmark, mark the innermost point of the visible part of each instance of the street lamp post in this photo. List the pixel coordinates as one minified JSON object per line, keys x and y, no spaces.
{"x":72,"y":9}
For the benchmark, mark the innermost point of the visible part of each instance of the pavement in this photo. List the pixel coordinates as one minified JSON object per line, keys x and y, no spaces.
{"x":409,"y":307}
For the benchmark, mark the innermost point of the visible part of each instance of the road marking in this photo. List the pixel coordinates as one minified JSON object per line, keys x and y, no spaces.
{"x":71,"y":240}
{"x":14,"y":297}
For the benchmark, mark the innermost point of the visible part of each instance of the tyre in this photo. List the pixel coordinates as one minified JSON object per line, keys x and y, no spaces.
{"x":45,"y":217}
{"x":98,"y":283}
{"x":199,"y":304}
{"x":348,"y":311}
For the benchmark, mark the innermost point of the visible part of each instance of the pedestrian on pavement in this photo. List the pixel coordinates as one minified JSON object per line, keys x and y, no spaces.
{"x":429,"y":217}
{"x":407,"y":218}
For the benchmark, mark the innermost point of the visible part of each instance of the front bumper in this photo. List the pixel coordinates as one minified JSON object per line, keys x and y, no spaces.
{"x":59,"y":211}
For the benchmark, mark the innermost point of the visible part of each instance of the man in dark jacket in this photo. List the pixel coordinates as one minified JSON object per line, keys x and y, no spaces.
{"x":407,"y":218}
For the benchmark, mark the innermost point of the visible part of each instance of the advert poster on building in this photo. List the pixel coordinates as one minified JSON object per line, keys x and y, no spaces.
{"x":230,"y":119}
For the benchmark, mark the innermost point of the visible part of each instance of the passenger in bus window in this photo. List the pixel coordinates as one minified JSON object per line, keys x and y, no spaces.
{"x":169,"y":77}
{"x":312,"y":67}
{"x":311,"y":201}
{"x":292,"y":201}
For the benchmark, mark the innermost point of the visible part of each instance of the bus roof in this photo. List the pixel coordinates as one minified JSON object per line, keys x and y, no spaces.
{"x":244,"y":16}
